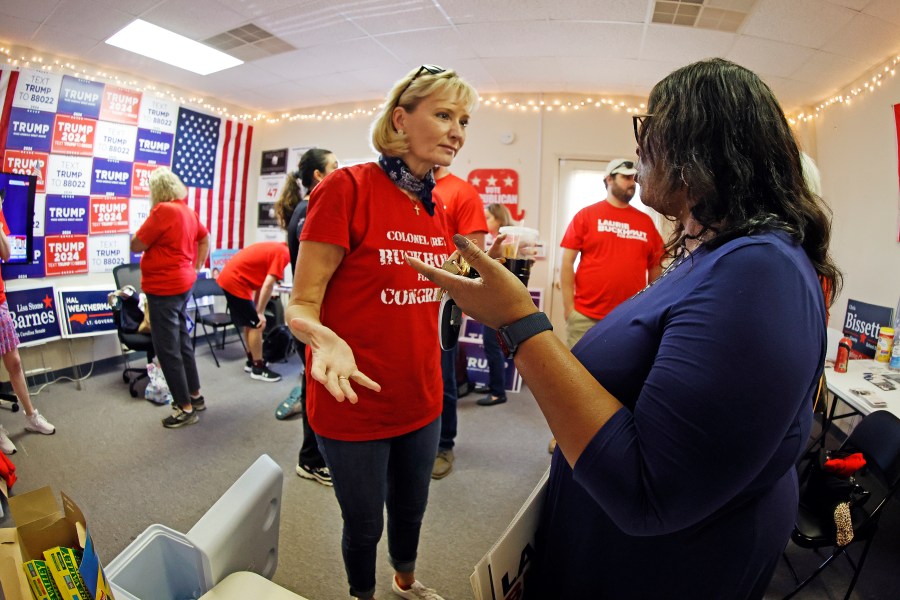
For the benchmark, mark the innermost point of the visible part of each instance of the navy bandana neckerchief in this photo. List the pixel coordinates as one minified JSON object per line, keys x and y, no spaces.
{"x":400,"y":174}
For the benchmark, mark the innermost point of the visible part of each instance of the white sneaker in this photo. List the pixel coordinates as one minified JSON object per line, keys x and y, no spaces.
{"x":6,"y":444}
{"x":416,"y":592}
{"x":38,"y":424}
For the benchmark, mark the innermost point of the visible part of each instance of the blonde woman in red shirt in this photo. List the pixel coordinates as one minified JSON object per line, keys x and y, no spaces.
{"x":370,"y":324}
{"x":175,"y":245}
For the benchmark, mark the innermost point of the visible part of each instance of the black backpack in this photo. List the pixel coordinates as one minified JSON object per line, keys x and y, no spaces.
{"x":278,"y":344}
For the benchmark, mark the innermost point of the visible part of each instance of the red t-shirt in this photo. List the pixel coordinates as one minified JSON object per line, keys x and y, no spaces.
{"x":378,"y":304}
{"x":462,"y":205}
{"x":171,"y":232}
{"x":246,"y":271}
{"x":6,"y":231}
{"x":618,"y":246}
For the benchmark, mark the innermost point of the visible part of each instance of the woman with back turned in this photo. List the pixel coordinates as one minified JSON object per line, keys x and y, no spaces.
{"x":681,"y":414}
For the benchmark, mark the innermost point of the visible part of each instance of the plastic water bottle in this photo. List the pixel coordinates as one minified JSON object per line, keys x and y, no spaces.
{"x":894,"y":360}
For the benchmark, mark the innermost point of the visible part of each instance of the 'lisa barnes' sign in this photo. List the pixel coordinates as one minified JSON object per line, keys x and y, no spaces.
{"x":34,"y":313}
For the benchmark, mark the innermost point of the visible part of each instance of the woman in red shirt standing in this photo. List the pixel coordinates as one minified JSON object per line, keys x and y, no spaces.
{"x":367,"y":318}
{"x":175,"y":245}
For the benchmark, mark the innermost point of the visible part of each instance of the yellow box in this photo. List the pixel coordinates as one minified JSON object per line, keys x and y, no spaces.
{"x":63,"y":566}
{"x":40,"y":580}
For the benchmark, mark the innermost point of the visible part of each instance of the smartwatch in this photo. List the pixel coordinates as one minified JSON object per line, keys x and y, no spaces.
{"x":515,"y":333}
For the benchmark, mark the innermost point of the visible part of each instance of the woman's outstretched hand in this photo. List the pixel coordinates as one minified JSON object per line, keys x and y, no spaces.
{"x":333,"y":364}
{"x":496,"y":298}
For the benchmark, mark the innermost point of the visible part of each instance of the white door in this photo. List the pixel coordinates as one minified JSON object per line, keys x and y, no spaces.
{"x":580,"y":185}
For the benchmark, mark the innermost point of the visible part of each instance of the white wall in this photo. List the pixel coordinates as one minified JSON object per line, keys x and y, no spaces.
{"x":857,"y":156}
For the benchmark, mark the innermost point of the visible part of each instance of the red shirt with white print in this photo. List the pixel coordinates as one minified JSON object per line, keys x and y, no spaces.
{"x":378,"y":304}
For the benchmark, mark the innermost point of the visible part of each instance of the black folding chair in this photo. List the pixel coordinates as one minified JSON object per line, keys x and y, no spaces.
{"x":216,"y":320}
{"x":130,"y":274}
{"x":877,"y":436}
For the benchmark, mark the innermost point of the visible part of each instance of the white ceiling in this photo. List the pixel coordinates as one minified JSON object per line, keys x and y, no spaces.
{"x":351,"y":50}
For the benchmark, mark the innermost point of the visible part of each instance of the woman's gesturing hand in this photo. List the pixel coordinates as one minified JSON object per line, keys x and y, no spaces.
{"x":496,"y":298}
{"x":332,"y":364}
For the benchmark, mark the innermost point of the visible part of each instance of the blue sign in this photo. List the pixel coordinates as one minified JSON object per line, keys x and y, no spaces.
{"x":28,"y":270}
{"x":84,"y":312}
{"x":862,"y":323}
{"x":34,"y":313}
{"x":80,"y":97}
{"x":30,"y":130}
{"x":154,"y":147}
{"x":111,"y":177}
{"x":66,"y":215}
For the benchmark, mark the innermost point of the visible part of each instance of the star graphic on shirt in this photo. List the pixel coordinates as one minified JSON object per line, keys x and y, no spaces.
{"x":508,"y":181}
{"x":476,"y":181}
{"x":492,"y":181}
{"x":48,"y":301}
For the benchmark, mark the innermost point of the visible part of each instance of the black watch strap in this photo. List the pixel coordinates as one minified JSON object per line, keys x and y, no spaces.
{"x":515,"y":333}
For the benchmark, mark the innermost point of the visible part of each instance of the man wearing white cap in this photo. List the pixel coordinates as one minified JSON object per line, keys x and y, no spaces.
{"x":620,"y":249}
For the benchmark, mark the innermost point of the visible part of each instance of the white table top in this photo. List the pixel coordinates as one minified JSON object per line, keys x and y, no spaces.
{"x":861,"y":394}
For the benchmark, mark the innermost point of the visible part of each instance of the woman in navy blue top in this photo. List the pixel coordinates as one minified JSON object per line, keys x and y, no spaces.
{"x":681,"y":414}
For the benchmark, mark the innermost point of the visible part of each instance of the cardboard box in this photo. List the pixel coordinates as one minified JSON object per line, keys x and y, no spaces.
{"x":40,"y":526}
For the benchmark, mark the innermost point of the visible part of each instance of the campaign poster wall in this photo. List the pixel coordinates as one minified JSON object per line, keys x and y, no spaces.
{"x":84,"y":311}
{"x":34,"y":313}
{"x":92,"y":147}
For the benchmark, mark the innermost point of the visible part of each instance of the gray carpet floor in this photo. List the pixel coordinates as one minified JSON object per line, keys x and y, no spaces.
{"x":114,"y":458}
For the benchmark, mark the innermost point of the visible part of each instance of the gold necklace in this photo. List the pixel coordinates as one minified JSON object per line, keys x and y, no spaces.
{"x":414,"y":201}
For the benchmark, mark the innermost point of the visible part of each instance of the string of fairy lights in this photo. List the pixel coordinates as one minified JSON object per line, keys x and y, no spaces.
{"x":513,"y":103}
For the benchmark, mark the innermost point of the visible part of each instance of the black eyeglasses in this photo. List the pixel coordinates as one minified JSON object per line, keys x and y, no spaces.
{"x":433,"y":69}
{"x":638,"y":122}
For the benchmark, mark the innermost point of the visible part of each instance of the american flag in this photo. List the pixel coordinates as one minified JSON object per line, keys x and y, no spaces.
{"x":8,"y":81}
{"x":212,"y":157}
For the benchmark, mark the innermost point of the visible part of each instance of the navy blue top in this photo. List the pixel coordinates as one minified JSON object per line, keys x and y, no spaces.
{"x":689,"y":490}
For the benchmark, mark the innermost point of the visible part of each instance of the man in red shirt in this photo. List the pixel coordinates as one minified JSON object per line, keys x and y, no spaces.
{"x":464,"y":214}
{"x":620,"y":250}
{"x":248,"y":279}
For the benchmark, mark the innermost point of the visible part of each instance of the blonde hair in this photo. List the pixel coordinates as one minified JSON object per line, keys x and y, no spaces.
{"x":501,"y":214}
{"x":165,"y":186}
{"x":412,"y":90}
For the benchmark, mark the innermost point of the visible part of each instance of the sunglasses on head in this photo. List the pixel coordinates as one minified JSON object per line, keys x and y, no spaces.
{"x":433,"y":69}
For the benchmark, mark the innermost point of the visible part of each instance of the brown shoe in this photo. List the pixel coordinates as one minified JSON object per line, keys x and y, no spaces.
{"x":443,"y":464}
{"x":551,"y":446}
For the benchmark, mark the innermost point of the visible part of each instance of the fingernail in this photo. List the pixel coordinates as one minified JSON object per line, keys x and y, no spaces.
{"x":461,"y":241}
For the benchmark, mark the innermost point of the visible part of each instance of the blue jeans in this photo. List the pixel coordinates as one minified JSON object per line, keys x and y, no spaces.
{"x":451,"y":396}
{"x":173,"y":345}
{"x":393,"y":472}
{"x":496,"y":362}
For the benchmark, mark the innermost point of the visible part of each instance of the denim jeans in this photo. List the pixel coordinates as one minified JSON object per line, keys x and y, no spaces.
{"x":173,"y":346}
{"x":496,"y":362}
{"x":367,"y":476}
{"x":451,"y":396}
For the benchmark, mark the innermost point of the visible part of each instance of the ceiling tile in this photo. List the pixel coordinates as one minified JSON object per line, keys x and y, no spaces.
{"x":556,"y":38}
{"x":16,"y":30}
{"x":197,"y":19}
{"x":888,"y":10}
{"x":33,"y":10}
{"x":826,"y":68}
{"x":443,"y":46}
{"x":810,"y":23}
{"x":684,"y":45}
{"x":866,"y":39}
{"x":767,"y":57}
{"x":407,"y":16}
{"x":303,"y":29}
{"x":84,"y":15}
